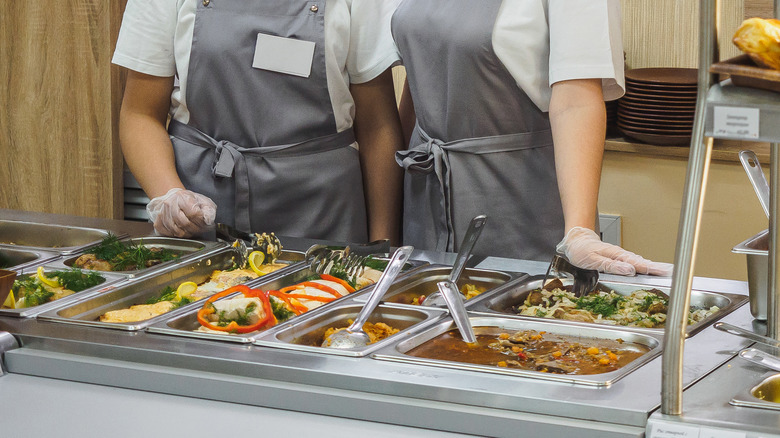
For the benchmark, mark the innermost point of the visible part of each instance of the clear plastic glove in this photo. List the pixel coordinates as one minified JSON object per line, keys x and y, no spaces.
{"x":584,"y":248}
{"x":181,"y":213}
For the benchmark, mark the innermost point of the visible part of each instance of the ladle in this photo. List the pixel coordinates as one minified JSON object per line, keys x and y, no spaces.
{"x":472,"y":234}
{"x":585,"y":280}
{"x":757,"y":178}
{"x":354,"y":336}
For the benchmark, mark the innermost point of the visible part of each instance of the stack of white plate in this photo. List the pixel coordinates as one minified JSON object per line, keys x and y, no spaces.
{"x":659,"y":105}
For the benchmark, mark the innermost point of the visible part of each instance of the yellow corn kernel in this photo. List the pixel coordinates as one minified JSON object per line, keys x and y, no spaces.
{"x":503,"y":336}
{"x":557,"y":353}
{"x":502,"y":364}
{"x":604,"y":361}
{"x":593,"y":351}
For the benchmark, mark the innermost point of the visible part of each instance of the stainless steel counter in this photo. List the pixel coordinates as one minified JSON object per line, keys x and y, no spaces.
{"x":362,"y":389}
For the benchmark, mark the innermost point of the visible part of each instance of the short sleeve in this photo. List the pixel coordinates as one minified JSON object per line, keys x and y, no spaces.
{"x":371,"y":46}
{"x":586,"y":43}
{"x":146,"y":37}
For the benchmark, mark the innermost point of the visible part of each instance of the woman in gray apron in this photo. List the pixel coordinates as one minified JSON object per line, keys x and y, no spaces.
{"x":481,"y":143}
{"x":260,"y":137}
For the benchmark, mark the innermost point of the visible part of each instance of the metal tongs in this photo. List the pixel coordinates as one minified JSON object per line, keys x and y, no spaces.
{"x":585,"y":280}
{"x":351,"y":258}
{"x":245,"y":242}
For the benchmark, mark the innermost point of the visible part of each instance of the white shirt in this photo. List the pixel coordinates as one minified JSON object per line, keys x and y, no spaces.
{"x":156,"y":38}
{"x":542,"y":42}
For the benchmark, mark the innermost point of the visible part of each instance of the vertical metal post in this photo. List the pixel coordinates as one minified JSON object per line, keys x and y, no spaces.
{"x":690,"y":219}
{"x":773,"y":277}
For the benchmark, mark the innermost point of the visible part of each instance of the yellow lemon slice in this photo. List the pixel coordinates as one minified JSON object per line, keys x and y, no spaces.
{"x":10,"y":301}
{"x":185,"y":290}
{"x":52,"y":282}
{"x":256,"y":259}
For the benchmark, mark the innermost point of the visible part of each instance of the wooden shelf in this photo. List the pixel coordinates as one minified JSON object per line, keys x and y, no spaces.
{"x":723,"y":150}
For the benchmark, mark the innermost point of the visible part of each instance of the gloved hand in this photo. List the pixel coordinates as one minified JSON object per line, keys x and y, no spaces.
{"x":584,"y":249}
{"x":181,"y":213}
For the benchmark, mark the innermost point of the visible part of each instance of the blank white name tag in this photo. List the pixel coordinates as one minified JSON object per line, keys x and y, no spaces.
{"x":283,"y":55}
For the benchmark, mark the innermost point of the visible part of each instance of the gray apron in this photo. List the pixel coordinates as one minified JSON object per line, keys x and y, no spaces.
{"x":263,"y":145}
{"x":481,"y":146}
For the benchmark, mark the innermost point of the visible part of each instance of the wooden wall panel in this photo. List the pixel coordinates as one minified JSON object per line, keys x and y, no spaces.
{"x":759,"y":8}
{"x":57,"y":139}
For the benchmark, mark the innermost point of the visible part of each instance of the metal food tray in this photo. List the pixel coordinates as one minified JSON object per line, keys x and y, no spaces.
{"x":62,"y":239}
{"x":306,"y":333}
{"x":185,"y":322}
{"x":756,"y":397}
{"x":423,"y":282}
{"x":15,"y":259}
{"x":756,"y":250}
{"x":583,"y":332}
{"x":112,"y":281}
{"x":501,"y":302}
{"x":188,"y":249}
{"x":139,"y":290}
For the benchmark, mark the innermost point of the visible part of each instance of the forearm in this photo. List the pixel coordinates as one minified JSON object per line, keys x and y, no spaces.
{"x":578,"y":122}
{"x":145,"y":143}
{"x":378,"y":132}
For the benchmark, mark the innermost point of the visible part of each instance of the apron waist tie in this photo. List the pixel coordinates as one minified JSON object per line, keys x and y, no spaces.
{"x":229,"y":159}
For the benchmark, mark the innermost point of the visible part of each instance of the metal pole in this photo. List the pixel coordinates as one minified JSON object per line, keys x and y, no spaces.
{"x":690,"y":219}
{"x":773,"y":277}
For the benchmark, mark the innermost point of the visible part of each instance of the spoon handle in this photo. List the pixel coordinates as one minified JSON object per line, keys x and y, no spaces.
{"x":757,"y":179}
{"x":397,"y":262}
{"x":472,"y":234}
{"x":738,"y":331}
{"x":458,"y":311}
{"x":761,"y":358}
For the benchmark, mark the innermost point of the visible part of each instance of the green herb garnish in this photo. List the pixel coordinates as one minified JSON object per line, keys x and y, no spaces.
{"x":32,"y":290}
{"x":129,"y":256}
{"x":599,"y":304}
{"x":169,"y":294}
{"x":280,"y":311}
{"x":77,"y":280}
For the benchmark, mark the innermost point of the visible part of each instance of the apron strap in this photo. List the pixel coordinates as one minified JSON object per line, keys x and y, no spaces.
{"x":229,"y":159}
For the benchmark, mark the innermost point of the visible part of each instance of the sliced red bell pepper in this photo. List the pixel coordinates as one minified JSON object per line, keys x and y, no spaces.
{"x":295,"y":306}
{"x":233,"y":327}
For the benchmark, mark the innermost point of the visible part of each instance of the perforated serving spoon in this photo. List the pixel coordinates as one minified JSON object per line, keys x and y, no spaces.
{"x":472,"y":234}
{"x":354,"y":336}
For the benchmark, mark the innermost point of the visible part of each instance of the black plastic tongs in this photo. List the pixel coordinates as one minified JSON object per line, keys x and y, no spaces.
{"x":245,"y":242}
{"x":585,"y":280}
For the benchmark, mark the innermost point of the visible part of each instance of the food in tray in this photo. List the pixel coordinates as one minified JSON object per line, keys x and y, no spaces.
{"x":760,"y":39}
{"x":288,"y":301}
{"x":262,"y":255}
{"x":249,"y":312}
{"x":375,"y":331}
{"x":468,"y":290}
{"x":114,"y":255}
{"x":43,"y":287}
{"x":640,"y":308}
{"x":532,"y":350}
{"x":185,"y":293}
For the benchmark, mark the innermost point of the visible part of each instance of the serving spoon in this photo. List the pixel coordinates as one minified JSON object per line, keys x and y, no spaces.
{"x":472,"y":234}
{"x":454,"y":300}
{"x":354,"y":336}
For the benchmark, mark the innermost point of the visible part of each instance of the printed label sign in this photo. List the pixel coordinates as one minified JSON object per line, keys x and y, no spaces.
{"x":667,"y":430}
{"x":736,"y":122}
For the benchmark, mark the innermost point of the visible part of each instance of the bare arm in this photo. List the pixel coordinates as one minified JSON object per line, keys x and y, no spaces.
{"x":578,"y":120}
{"x":145,"y":143}
{"x":378,"y":132}
{"x":408,"y":115}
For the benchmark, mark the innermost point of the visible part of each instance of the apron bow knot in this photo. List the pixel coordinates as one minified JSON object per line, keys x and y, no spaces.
{"x":225,"y":159}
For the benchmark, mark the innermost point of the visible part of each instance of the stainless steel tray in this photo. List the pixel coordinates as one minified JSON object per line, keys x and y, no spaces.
{"x":756,"y":250}
{"x":187,"y":248}
{"x":58,"y":238}
{"x":15,"y":259}
{"x":139,"y":290}
{"x":423,"y":282}
{"x":501,"y":302}
{"x":397,"y":353}
{"x":762,"y":395}
{"x":185,"y":322}
{"x":306,"y":333}
{"x":111,"y":282}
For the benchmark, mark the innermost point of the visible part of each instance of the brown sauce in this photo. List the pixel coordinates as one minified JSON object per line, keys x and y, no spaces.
{"x":532,"y":350}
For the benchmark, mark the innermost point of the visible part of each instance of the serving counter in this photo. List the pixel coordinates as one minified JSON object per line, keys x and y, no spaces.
{"x":158,"y":380}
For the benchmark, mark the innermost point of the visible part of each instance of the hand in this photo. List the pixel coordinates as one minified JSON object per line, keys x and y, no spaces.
{"x":181,"y":213}
{"x":584,"y":249}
